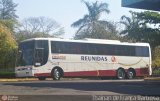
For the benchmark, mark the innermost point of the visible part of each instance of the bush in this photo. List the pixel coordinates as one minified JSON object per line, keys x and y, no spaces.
{"x":156,"y":71}
{"x":156,"y":62}
{"x":7,"y":74}
{"x":156,"y":57}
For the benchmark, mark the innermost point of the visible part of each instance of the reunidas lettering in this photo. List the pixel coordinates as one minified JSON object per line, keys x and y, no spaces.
{"x":93,"y":58}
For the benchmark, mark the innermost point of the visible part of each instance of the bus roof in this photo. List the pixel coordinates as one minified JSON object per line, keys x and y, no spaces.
{"x":89,"y":40}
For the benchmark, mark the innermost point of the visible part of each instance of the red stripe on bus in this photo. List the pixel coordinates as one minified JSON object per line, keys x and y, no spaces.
{"x":107,"y":72}
{"x":42,"y":74}
{"x":139,"y":72}
{"x":81,"y":73}
{"x":142,"y":71}
{"x":92,"y":73}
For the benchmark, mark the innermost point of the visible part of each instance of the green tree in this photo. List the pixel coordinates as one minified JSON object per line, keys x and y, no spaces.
{"x":10,"y":24}
{"x":91,"y":26}
{"x":7,"y":25}
{"x":7,"y":10}
{"x":151,"y":31}
{"x":149,"y":17}
{"x":7,"y":48}
{"x":139,"y":27}
{"x":156,"y":57}
{"x":8,"y":14}
{"x":132,"y":27}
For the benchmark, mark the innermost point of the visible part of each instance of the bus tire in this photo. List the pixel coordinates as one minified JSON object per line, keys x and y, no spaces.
{"x":56,"y":73}
{"x":131,"y":73}
{"x":41,"y":78}
{"x":121,"y":73}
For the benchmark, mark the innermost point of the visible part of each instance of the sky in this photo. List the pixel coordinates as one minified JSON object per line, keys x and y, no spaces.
{"x":65,"y":12}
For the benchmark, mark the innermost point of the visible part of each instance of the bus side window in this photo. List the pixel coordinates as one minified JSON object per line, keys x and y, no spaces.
{"x":145,"y":51}
{"x":59,"y":47}
{"x":53,"y":47}
{"x":139,"y":51}
{"x":92,"y":49}
{"x":72,"y":48}
{"x":78,"y":47}
{"x":110,"y":50}
{"x":132,"y":50}
{"x":83,"y":48}
{"x":100,"y":49}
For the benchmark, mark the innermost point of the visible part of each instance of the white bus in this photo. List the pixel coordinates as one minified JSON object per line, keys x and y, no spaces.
{"x":56,"y":58}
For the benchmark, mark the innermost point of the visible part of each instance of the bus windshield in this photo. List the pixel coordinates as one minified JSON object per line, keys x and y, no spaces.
{"x":26,"y":53}
{"x":33,"y":52}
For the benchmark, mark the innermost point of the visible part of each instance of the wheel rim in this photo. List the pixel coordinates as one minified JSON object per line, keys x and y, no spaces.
{"x":130,"y":74}
{"x":121,"y":74}
{"x":56,"y":74}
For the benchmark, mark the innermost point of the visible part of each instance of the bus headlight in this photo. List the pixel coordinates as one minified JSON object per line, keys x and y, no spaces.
{"x":29,"y":68}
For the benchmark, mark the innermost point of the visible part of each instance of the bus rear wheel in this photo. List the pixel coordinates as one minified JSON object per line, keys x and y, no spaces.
{"x":56,"y":74}
{"x":121,"y":73}
{"x":130,"y":74}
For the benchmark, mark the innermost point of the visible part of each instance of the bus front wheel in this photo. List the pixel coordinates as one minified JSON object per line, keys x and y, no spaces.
{"x":121,"y":73}
{"x":56,"y":74}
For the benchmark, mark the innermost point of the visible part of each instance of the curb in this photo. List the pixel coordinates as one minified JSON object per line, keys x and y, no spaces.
{"x":156,"y":79}
{"x":152,"y":79}
{"x":31,"y":79}
{"x":18,"y":79}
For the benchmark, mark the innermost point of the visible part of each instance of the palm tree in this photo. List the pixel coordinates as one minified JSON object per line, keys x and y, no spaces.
{"x":89,"y":24}
{"x":132,"y":26}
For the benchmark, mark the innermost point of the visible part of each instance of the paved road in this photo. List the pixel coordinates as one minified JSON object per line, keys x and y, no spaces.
{"x":81,"y":87}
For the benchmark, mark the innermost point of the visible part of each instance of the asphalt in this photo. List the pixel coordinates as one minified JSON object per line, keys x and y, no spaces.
{"x":77,"y":89}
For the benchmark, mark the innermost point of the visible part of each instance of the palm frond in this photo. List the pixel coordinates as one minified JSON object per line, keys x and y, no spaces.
{"x":103,"y":7}
{"x":91,"y":20}
{"x":110,"y":26}
{"x":102,"y":22}
{"x":80,"y":28}
{"x":124,"y":23}
{"x":89,"y":6}
{"x":81,"y":22}
{"x":124,"y":32}
{"x":127,"y":19}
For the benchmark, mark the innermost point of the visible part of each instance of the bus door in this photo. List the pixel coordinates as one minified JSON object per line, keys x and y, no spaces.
{"x":39,"y":56}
